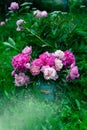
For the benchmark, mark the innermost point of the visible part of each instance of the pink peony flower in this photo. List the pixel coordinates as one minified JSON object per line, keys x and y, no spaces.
{"x":69,"y":58}
{"x":2,"y":23}
{"x":59,"y":54}
{"x":49,"y":73}
{"x":73,"y":73}
{"x":35,"y":70}
{"x":37,"y":62}
{"x":37,"y":13}
{"x":19,"y":61}
{"x":58,"y":64}
{"x":21,"y":79}
{"x":19,"y":22}
{"x":47,"y":59}
{"x":14,"y":6}
{"x":18,"y":28}
{"x":13,"y":73}
{"x":27,"y":50}
{"x":44,"y":14}
{"x":40,"y":14}
{"x":27,"y":66}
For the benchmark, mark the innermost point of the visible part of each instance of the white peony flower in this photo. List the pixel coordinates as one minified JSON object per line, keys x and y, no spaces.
{"x":58,"y":64}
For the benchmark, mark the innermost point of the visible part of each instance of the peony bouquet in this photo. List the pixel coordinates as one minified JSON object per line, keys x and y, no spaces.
{"x":47,"y":64}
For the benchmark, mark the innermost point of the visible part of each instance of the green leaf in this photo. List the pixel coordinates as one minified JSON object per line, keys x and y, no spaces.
{"x":78,"y":104}
{"x":44,"y":128}
{"x":7,"y":94}
{"x":26,"y":3}
{"x":11,"y":41}
{"x":9,"y":45}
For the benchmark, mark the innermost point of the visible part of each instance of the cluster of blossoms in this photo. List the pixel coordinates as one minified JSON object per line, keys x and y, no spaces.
{"x":19,"y":23}
{"x":40,"y":14}
{"x":13,"y":6}
{"x":49,"y":64}
{"x":20,"y":64}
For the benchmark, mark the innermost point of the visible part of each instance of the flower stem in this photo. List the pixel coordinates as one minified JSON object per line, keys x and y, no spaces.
{"x":46,"y":44}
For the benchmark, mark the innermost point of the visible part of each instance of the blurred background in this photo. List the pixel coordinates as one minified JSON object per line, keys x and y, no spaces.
{"x":49,"y":5}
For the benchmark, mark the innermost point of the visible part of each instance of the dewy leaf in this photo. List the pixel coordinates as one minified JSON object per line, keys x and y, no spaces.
{"x":11,"y":41}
